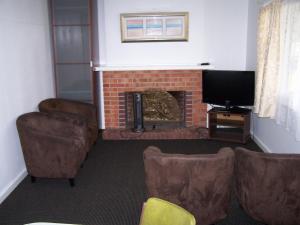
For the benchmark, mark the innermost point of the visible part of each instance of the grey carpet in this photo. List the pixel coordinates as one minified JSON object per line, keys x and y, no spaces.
{"x":109,"y":188}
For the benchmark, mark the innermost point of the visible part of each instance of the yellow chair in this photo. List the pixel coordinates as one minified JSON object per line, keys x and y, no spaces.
{"x":160,"y":212}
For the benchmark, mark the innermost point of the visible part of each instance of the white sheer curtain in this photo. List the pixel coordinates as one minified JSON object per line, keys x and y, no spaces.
{"x":288,"y":100}
{"x":278,"y":67}
{"x":268,"y":54}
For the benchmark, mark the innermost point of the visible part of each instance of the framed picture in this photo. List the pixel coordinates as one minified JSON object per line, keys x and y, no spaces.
{"x":167,"y":26}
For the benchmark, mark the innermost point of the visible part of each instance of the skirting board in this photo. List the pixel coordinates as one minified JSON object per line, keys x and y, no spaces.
{"x":261,"y":144}
{"x":12,"y":185}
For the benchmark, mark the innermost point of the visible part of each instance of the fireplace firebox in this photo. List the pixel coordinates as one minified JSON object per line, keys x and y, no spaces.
{"x":160,"y":109}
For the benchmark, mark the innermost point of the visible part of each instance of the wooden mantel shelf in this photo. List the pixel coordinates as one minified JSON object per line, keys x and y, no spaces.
{"x":151,"y":67}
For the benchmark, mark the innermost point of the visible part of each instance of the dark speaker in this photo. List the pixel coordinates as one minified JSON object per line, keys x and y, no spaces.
{"x":138,"y":112}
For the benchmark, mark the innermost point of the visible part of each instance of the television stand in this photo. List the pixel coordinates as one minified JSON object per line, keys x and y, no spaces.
{"x":231,"y":109}
{"x":233,"y":125}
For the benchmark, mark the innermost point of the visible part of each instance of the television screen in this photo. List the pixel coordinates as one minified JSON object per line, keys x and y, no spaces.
{"x":228,"y":88}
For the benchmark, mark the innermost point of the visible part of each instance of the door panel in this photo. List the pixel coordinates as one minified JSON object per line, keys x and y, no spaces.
{"x":72,"y":44}
{"x":69,"y":12}
{"x":71,"y":26}
{"x":74,"y":82}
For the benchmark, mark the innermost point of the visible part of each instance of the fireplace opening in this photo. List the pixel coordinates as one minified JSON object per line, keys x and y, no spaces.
{"x":161,"y":109}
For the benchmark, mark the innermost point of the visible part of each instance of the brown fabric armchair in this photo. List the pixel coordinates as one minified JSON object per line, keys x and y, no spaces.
{"x":199,"y":183}
{"x":268,"y":186}
{"x":86,"y":110}
{"x":54,"y":146}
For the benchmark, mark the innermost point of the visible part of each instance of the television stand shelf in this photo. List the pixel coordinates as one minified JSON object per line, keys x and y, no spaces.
{"x":229,"y":125}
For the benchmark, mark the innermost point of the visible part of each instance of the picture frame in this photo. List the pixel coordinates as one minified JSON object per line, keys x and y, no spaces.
{"x":162,"y":26}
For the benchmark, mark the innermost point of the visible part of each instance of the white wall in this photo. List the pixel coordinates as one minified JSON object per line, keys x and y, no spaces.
{"x":26,"y":77}
{"x":95,"y":33}
{"x":102,"y":32}
{"x":251,"y":35}
{"x":225,"y":33}
{"x":269,"y":135}
{"x":218,"y":34}
{"x":273,"y":137}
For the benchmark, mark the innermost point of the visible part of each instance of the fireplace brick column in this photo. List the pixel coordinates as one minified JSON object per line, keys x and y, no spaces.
{"x":116,"y":83}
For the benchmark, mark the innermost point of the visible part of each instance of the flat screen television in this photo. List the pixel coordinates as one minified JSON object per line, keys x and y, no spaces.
{"x":228,"y":88}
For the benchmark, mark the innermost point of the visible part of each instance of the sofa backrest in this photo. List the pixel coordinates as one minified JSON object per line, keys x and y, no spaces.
{"x":199,"y":183}
{"x":268,"y":186}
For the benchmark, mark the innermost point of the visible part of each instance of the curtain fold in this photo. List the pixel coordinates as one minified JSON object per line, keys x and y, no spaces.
{"x":268,"y":52}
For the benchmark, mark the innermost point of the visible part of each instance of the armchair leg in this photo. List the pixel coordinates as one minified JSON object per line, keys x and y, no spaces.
{"x":33,"y":179}
{"x":86,"y":157}
{"x":72,"y":182}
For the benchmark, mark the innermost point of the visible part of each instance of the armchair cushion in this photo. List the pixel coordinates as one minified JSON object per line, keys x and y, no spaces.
{"x":160,"y":212}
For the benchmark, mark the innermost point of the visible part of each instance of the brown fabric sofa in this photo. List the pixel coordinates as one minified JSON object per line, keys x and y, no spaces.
{"x":54,"y":146}
{"x":86,"y":110}
{"x":199,"y":183}
{"x":268,"y":186}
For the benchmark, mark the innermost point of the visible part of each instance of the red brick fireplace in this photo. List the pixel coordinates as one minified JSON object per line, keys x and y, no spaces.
{"x":117,"y":83}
